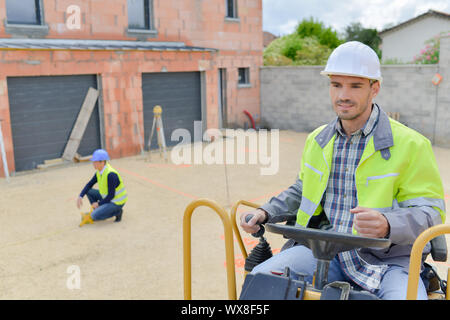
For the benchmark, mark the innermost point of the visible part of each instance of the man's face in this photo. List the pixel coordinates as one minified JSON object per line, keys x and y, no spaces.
{"x":98,"y":165}
{"x":352,"y":96}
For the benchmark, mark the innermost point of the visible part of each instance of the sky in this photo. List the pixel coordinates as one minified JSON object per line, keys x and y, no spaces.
{"x":280,"y":17}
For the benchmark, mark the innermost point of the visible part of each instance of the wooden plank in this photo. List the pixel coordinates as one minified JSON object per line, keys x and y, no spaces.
{"x":52,"y":164}
{"x":50,"y":161}
{"x":79,"y":158}
{"x":80,"y":125}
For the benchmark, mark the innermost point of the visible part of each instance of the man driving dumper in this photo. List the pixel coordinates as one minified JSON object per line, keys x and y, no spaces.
{"x":364,"y":174}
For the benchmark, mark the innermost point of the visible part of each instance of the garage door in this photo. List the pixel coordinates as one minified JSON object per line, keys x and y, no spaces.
{"x":178,"y":93}
{"x":43,"y":111}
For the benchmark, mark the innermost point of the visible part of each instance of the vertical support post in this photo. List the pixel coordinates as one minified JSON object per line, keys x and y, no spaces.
{"x":229,"y":246}
{"x":321,"y":275}
{"x":2,"y":149}
{"x":415,"y":260}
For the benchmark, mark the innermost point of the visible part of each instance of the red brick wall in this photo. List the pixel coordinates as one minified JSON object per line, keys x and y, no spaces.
{"x":121,"y":81}
{"x":200,"y":23}
{"x":196,"y":23}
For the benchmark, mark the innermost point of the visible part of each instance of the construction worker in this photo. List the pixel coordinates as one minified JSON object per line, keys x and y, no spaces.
{"x":365,"y":174}
{"x":111,"y":196}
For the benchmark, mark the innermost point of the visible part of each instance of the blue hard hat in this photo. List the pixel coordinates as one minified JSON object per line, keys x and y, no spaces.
{"x":100,"y":155}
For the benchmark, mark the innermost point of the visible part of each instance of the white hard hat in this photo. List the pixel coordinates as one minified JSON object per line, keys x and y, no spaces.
{"x":355,"y":59}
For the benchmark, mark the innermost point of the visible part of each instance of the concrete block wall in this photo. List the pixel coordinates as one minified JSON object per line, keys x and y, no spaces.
{"x":294,"y":98}
{"x":297,"y":98}
{"x":409,"y":90}
{"x":442,"y":128}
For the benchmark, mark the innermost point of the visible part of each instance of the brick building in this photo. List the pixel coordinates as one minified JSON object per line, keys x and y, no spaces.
{"x":199,"y":60}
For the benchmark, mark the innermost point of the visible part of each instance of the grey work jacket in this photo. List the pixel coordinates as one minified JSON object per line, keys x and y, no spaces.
{"x":405,"y":223}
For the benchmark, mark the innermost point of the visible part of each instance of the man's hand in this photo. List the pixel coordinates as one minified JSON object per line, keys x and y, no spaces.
{"x":370,"y":223}
{"x":79,"y":202}
{"x":94,"y":205}
{"x":259,"y":215}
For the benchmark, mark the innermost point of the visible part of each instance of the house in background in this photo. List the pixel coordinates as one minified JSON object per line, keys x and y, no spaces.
{"x":198,"y":60}
{"x":268,"y":38}
{"x":405,"y":40}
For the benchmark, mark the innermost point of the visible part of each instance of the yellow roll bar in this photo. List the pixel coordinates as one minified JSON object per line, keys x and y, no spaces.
{"x":230,"y":225}
{"x":416,"y":257}
{"x":234,"y":224}
{"x":229,"y":247}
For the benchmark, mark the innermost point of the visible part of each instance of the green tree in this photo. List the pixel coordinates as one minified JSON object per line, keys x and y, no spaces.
{"x":292,"y":44}
{"x":310,"y":28}
{"x":310,"y":44}
{"x":275,"y":53}
{"x":356,"y":32}
{"x":325,"y":35}
{"x":312,"y":53}
{"x":293,"y":50}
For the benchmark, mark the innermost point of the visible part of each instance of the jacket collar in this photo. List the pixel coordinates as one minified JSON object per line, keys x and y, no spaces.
{"x":382,"y":136}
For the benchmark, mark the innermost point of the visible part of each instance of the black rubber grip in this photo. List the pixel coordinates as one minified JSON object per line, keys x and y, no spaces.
{"x":261,"y":230}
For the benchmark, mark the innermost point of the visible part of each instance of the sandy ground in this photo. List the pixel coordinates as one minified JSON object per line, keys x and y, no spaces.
{"x":41,"y":244}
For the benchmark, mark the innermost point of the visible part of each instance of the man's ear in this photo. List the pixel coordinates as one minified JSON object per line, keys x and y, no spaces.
{"x":375,"y":88}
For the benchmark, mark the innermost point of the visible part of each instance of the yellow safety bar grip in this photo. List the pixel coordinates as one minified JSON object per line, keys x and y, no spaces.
{"x":234,"y":224}
{"x":229,"y":246}
{"x":447,"y":294}
{"x":416,"y":257}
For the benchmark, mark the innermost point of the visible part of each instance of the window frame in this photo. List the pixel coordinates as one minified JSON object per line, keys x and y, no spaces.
{"x":144,"y":32}
{"x":235,"y":16}
{"x":246,"y":79}
{"x":38,"y":11}
{"x":30,"y":30}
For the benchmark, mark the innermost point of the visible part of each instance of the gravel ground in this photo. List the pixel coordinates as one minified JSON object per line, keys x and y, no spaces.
{"x":43,"y":249}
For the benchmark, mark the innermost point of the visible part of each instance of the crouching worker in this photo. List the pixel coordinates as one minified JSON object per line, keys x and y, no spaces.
{"x":111,"y":195}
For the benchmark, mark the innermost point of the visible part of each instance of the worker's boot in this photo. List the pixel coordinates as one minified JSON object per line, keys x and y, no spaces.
{"x":119,"y":216}
{"x":86,"y":219}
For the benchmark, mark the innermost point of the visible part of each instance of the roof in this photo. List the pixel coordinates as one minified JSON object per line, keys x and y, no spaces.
{"x":423,"y":15}
{"x":268,"y":38}
{"x":74,"y":44}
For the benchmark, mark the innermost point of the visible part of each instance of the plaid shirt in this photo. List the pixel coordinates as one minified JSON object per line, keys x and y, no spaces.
{"x":340,"y":196}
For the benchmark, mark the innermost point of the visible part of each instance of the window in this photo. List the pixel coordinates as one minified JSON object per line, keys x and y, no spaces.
{"x":231,"y":9}
{"x":26,"y":12}
{"x":140,"y":14}
{"x":25,"y":18}
{"x":244,"y":76}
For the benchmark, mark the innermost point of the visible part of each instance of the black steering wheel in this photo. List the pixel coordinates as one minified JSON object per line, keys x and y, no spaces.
{"x":325,"y":244}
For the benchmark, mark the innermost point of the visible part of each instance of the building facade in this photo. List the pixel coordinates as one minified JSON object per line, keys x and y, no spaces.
{"x":198,"y":60}
{"x":296,"y":97}
{"x":404,"y":41}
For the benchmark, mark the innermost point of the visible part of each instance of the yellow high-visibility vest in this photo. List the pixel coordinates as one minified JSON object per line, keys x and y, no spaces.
{"x":397,"y":168}
{"x":120,"y":196}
